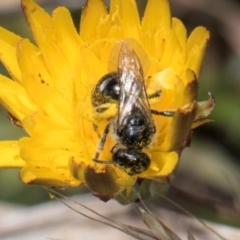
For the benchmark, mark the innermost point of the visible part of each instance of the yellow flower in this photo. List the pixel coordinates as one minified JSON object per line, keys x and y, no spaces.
{"x":51,"y":92}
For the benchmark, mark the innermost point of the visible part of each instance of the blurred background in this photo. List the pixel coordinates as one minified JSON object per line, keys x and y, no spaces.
{"x":207,"y":181}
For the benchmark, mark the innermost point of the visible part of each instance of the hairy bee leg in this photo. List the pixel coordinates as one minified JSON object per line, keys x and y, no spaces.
{"x":101,"y":145}
{"x":163,"y":113}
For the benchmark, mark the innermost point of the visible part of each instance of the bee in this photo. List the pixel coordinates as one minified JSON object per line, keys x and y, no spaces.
{"x":133,"y":126}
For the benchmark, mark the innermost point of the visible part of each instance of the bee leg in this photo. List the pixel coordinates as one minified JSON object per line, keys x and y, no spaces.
{"x":95,"y":128}
{"x":156,"y":112}
{"x":101,"y":146}
{"x":163,"y":113}
{"x":155,"y":95}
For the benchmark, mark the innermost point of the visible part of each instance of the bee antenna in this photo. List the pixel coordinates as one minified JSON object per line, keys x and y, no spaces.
{"x":163,"y":113}
{"x":103,"y":161}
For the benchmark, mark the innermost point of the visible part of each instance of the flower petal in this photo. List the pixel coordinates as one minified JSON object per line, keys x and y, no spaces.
{"x":93,"y":14}
{"x":47,"y":159}
{"x":179,"y":128}
{"x":10,"y":157}
{"x":47,"y":177}
{"x":204,"y":109}
{"x":8,"y":45}
{"x":173,"y":54}
{"x":45,"y":34}
{"x":125,"y":14}
{"x":171,"y":88}
{"x":38,"y":20}
{"x":163,"y":164}
{"x":191,"y":88}
{"x":39,"y":84}
{"x":180,"y":32}
{"x":36,"y":78}
{"x":173,"y":50}
{"x":53,"y":51}
{"x":67,"y":37}
{"x":196,"y":45}
{"x":104,"y":183}
{"x":156,"y":16}
{"x":46,"y":151}
{"x":15,"y":99}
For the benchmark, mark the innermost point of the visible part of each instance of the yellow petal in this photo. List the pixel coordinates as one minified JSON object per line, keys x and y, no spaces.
{"x":171,"y":88}
{"x":8,"y":45}
{"x":163,"y":164}
{"x":38,"y":83}
{"x":103,"y":29}
{"x":45,"y":34}
{"x":46,"y":151}
{"x":36,"y":78}
{"x":38,"y":20}
{"x":196,"y":45}
{"x":180,"y":32}
{"x":47,"y":177}
{"x":67,"y":37}
{"x":173,"y":55}
{"x":156,"y":16}
{"x":48,"y":117}
{"x":93,"y":14}
{"x":15,"y":98}
{"x":166,"y":163}
{"x":47,"y":160}
{"x":63,"y":77}
{"x":10,"y":157}
{"x":125,"y":14}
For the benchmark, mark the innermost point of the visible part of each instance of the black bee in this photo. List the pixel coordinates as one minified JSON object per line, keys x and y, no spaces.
{"x":133,"y":126}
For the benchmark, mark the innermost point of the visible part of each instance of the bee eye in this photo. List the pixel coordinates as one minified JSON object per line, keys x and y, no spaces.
{"x":106,"y":90}
{"x":109,"y":86}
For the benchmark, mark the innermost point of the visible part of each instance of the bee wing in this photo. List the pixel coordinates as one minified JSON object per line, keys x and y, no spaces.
{"x":133,"y":94}
{"x":137,"y":48}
